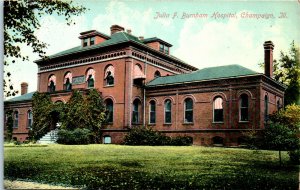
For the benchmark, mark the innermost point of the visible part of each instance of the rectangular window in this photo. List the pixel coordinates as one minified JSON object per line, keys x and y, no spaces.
{"x":85,"y":42}
{"x":166,"y":49}
{"x":218,"y":115}
{"x":244,"y":114}
{"x":92,"y":41}
{"x":161,"y":47}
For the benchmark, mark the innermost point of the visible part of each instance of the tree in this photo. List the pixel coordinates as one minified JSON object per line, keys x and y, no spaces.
{"x":279,"y":137}
{"x":21,"y":20}
{"x":287,"y":71}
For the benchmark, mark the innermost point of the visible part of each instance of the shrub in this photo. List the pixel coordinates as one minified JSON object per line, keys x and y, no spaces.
{"x":148,"y":136}
{"x":181,"y":141}
{"x":77,"y":136}
{"x":295,"y":156}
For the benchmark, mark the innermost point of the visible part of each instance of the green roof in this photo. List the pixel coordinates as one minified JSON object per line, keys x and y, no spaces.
{"x":116,"y":38}
{"x":209,"y":73}
{"x":24,"y":97}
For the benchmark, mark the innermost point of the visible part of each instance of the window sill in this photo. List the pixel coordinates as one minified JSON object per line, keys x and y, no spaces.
{"x":218,"y":122}
{"x":243,"y":121}
{"x":167,"y":124}
{"x":151,"y":124}
{"x":108,"y":86}
{"x":188,"y":123}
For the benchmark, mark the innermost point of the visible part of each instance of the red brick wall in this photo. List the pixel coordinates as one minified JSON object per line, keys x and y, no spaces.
{"x":21,"y":133}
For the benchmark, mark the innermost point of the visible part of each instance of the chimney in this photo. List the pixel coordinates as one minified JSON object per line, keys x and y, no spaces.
{"x":128,"y":31}
{"x":141,"y":38}
{"x":269,"y":46}
{"x":24,"y":88}
{"x":115,"y":28}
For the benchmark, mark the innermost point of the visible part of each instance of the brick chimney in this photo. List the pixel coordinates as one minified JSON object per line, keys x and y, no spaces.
{"x":115,"y":28}
{"x":24,"y":88}
{"x":269,"y":46}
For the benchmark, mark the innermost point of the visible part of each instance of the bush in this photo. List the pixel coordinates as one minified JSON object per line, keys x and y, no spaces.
{"x":77,"y":136}
{"x":148,"y":136}
{"x":182,"y":141}
{"x":295,"y":156}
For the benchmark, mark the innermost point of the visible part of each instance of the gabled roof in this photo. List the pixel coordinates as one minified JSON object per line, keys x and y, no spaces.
{"x":209,"y":73}
{"x":24,"y":97}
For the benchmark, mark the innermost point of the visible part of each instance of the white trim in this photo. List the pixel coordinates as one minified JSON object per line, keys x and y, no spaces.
{"x":165,"y":111}
{"x":184,"y":108}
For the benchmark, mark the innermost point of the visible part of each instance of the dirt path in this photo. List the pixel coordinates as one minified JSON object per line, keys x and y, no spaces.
{"x":8,"y":184}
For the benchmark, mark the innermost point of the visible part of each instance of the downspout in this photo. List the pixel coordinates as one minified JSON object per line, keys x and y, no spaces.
{"x":144,"y":92}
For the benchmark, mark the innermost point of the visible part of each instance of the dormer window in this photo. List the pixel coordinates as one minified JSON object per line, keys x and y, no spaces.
{"x":163,"y":48}
{"x":92,"y":41}
{"x":92,"y":37}
{"x":85,"y":42}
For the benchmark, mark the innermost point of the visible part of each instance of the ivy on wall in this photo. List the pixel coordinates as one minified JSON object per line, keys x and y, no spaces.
{"x":9,"y":124}
{"x":81,"y":111}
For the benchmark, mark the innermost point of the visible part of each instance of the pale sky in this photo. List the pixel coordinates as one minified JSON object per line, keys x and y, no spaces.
{"x":211,"y":39}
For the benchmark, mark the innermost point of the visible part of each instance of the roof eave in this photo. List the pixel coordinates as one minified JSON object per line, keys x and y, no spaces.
{"x":205,"y":80}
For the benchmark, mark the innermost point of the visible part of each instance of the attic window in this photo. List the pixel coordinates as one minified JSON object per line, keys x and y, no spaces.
{"x":85,"y":42}
{"x":92,"y":41}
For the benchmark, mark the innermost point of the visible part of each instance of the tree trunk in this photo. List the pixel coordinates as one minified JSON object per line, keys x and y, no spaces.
{"x":280,"y":163}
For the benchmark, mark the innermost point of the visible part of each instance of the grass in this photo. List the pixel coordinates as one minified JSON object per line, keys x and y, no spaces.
{"x":143,"y":167}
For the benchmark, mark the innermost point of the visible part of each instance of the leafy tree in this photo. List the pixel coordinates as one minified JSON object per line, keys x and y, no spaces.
{"x":289,"y":116}
{"x":21,"y":20}
{"x":281,"y":138}
{"x":42,"y":115}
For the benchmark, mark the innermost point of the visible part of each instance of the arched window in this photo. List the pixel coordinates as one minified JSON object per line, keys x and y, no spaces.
{"x":157,"y":74}
{"x":168,"y":111}
{"x":109,"y":75}
{"x":29,"y":119}
{"x":188,"y":110}
{"x":244,"y":107}
{"x":109,"y":110}
{"x":266,"y":107}
{"x":152,"y":112}
{"x":218,"y":109}
{"x":16,"y":119}
{"x":51,"y":83}
{"x":135,"y":111}
{"x":90,"y":78}
{"x":68,"y":81}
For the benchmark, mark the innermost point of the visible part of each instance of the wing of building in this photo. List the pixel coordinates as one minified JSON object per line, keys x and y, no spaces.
{"x":143,"y":84}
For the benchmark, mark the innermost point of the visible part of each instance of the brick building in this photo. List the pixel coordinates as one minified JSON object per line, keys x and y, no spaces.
{"x":143,"y":84}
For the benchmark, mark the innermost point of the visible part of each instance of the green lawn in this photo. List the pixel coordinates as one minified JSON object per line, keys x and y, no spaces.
{"x":143,"y":167}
